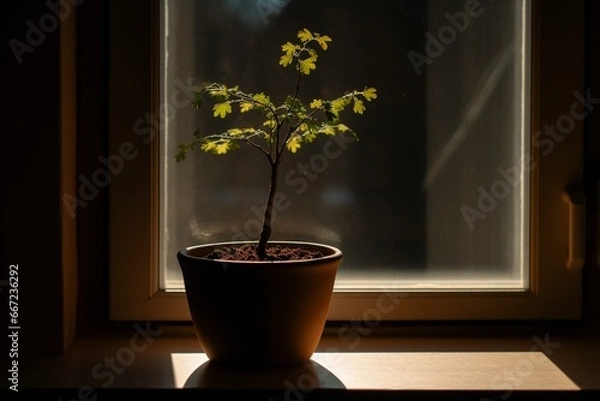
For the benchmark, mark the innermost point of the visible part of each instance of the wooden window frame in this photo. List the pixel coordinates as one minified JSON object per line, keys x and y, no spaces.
{"x":555,"y":233}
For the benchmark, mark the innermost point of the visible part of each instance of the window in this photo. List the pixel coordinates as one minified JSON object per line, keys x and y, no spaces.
{"x":453,"y":198}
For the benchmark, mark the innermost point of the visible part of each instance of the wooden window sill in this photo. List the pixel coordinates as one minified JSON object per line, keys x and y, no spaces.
{"x":538,"y":366}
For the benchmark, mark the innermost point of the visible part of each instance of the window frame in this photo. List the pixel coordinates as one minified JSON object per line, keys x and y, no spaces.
{"x":555,"y":290}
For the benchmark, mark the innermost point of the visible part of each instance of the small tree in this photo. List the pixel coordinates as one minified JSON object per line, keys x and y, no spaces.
{"x":286,"y":126}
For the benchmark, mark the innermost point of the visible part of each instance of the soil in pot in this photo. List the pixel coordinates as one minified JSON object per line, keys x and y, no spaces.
{"x":276,"y":252}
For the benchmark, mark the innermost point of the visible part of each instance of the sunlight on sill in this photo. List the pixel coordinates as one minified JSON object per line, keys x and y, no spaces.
{"x":494,"y":371}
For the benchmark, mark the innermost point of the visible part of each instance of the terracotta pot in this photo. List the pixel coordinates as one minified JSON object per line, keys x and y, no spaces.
{"x":262,"y":313}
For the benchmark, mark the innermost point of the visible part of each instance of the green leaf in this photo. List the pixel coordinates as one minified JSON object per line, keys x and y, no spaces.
{"x":305,"y":35}
{"x":271,"y":123}
{"x":309,"y":136}
{"x":294,"y":104}
{"x":307,"y":65}
{"x":219,"y":91}
{"x":235,"y":132}
{"x":246,"y":106}
{"x":181,"y":155}
{"x":338,"y":105}
{"x":286,"y":60}
{"x":330,"y":113}
{"x":327,"y":130}
{"x":370,"y":94}
{"x":218,"y":145}
{"x":222,"y":148}
{"x":221,"y":109}
{"x":294,"y":144}
{"x":262,"y":98}
{"x":316,"y":104}
{"x":209,"y":146}
{"x":359,"y":106}
{"x":289,"y":48}
{"x":198,"y":133}
{"x":342,"y":127}
{"x":197,"y":102}
{"x":323,"y":41}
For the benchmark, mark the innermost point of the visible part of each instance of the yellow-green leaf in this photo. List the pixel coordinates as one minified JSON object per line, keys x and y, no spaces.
{"x":338,"y":105}
{"x":218,"y":91}
{"x":289,"y":48}
{"x":294,"y":144}
{"x":221,"y":109}
{"x":222,"y":148}
{"x":208,"y":146}
{"x":305,"y":35}
{"x":342,"y":127}
{"x":323,"y":41}
{"x":246,"y":106}
{"x":262,"y":98}
{"x":359,"y":106}
{"x":286,"y":60}
{"x":270,"y":123}
{"x":316,"y":104}
{"x":307,"y":65}
{"x":309,"y":136}
{"x":370,"y":93}
{"x":327,"y":130}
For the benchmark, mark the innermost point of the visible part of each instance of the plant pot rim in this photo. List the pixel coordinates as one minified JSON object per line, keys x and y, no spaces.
{"x":335,"y":253}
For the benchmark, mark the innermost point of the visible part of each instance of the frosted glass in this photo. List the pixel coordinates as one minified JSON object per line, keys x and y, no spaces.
{"x":433,"y":196}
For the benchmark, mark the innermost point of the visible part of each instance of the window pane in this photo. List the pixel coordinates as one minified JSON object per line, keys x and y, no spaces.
{"x":433,"y":195}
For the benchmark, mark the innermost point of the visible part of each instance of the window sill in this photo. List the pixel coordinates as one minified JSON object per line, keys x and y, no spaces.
{"x":544,"y":365}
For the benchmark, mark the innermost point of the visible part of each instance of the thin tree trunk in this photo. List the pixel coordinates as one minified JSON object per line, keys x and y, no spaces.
{"x":265,"y":234}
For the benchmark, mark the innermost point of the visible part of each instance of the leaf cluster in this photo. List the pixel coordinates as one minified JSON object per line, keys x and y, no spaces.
{"x":286,"y":126}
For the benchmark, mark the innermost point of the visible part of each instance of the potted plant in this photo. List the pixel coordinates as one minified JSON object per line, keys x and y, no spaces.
{"x":264,"y":303}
